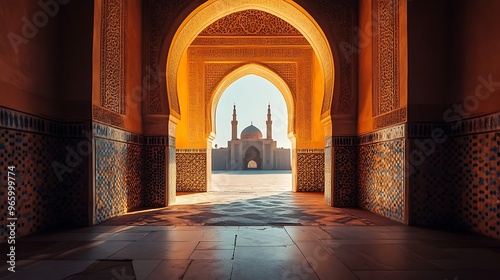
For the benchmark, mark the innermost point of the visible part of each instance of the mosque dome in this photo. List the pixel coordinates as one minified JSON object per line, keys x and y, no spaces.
{"x":251,"y":132}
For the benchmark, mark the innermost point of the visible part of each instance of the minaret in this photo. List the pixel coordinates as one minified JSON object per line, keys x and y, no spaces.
{"x":269,"y":123}
{"x":234,"y":125}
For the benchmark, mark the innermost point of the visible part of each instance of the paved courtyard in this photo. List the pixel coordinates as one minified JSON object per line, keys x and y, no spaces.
{"x":242,"y":198}
{"x":253,"y":228}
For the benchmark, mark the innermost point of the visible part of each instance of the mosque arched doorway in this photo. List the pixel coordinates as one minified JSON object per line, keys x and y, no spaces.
{"x":199,"y":62}
{"x":252,"y":165}
{"x":252,"y":159}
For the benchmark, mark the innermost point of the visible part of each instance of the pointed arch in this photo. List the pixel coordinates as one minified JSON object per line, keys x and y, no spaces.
{"x":213,"y":10}
{"x":258,"y":70}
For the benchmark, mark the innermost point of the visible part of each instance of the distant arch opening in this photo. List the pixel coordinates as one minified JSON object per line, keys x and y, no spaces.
{"x":252,"y":164}
{"x":252,"y":158}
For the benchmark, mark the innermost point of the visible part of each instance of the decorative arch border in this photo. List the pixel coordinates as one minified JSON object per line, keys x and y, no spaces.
{"x":261,"y":71}
{"x":213,"y":10}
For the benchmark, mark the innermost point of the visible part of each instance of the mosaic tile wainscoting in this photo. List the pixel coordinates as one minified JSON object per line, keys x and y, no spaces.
{"x":51,"y":174}
{"x":191,"y":170}
{"x":154,"y":171}
{"x":345,"y":154}
{"x":129,"y":171}
{"x":310,"y":170}
{"x":381,"y":172}
{"x":457,"y":184}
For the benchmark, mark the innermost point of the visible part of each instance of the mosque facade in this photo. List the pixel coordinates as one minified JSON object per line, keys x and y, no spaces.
{"x":251,"y":150}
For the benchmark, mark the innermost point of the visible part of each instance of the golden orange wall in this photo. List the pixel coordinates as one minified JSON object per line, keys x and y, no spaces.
{"x":181,"y":137}
{"x":451,"y":54}
{"x":475,"y":54}
{"x":117,"y":29}
{"x":365,"y":76}
{"x":49,"y":69}
{"x":134,"y":90}
{"x":318,"y":90}
{"x":383,"y":64}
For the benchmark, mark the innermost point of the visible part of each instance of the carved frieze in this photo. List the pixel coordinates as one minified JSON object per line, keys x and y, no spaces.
{"x":250,"y":22}
{"x":113,"y":20}
{"x":107,"y":116}
{"x":386,"y":57}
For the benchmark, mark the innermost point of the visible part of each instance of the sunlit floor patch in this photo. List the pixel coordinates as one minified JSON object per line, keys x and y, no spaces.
{"x":251,"y":198}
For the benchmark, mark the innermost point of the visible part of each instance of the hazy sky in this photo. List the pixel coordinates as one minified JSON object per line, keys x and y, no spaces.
{"x":251,"y":94}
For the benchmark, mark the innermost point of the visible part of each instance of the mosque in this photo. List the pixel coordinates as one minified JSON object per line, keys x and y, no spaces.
{"x":251,"y":150}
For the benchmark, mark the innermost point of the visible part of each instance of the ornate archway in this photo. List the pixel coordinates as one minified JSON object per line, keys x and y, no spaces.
{"x":317,"y":89}
{"x":261,"y":71}
{"x":213,"y":10}
{"x":252,"y":154}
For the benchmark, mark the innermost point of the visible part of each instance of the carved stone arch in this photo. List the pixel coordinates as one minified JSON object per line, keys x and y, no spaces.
{"x":213,"y":10}
{"x":260,"y":70}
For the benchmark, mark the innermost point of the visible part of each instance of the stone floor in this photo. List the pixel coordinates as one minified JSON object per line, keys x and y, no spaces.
{"x":360,"y":246}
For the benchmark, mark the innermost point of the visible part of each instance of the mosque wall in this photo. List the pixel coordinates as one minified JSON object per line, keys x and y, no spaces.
{"x":45,"y":69}
{"x":382,"y":111}
{"x":453,"y":147}
{"x":124,"y":163}
{"x":125,"y":160}
{"x":50,"y":171}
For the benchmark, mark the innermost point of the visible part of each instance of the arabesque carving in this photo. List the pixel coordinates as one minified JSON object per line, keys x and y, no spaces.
{"x":386,"y":57}
{"x":250,"y":22}
{"x":113,"y":55}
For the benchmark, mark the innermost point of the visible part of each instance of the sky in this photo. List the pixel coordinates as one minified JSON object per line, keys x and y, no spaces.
{"x":251,"y":94}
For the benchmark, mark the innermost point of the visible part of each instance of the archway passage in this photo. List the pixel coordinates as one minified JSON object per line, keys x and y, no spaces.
{"x":252,"y":159}
{"x":282,"y":55}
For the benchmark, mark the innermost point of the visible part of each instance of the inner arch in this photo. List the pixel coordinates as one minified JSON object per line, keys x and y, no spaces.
{"x":258,"y":70}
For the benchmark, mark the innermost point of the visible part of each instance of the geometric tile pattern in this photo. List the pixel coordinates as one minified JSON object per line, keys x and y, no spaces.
{"x":432,"y":187}
{"x":276,"y":208}
{"x":118,"y":178}
{"x":345,"y":176}
{"x":39,"y":150}
{"x":458,"y":184}
{"x":381,"y":178}
{"x":191,"y":171}
{"x":477,"y":162}
{"x":130,"y":171}
{"x":310,"y":171}
{"x":154,"y":176}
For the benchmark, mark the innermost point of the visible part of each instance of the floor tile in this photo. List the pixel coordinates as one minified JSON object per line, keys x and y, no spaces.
{"x":263,"y":236}
{"x":323,"y":262}
{"x":215,"y":245}
{"x":307,"y":233}
{"x":272,"y":269}
{"x":427,"y":275}
{"x":92,"y":251}
{"x":156,"y":251}
{"x":212,"y":255}
{"x":170,"y":269}
{"x":143,"y":268}
{"x":268,"y":253}
{"x":57,"y":269}
{"x":381,"y":257}
{"x":127,"y":236}
{"x":172,"y":235}
{"x":209,"y":269}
